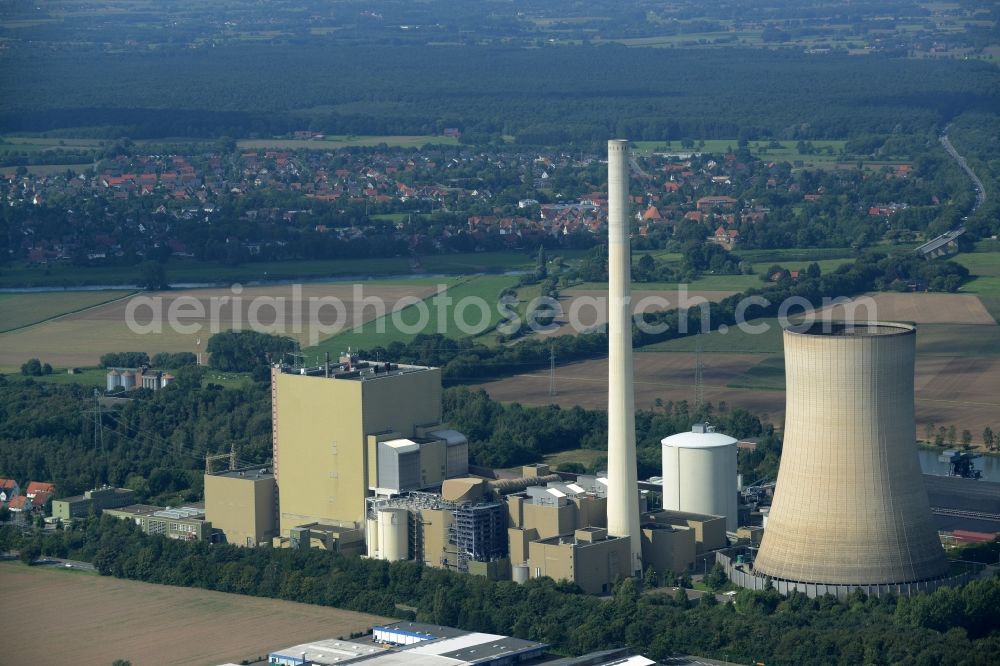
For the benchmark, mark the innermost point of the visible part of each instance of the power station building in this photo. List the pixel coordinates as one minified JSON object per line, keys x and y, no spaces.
{"x":362,"y":463}
{"x":243,"y":504}
{"x":850,"y":509}
{"x":346,"y":432}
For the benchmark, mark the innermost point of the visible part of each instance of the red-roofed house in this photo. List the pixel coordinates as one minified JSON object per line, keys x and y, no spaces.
{"x":8,"y":489}
{"x":706,"y":204}
{"x":726,"y":237}
{"x":40,"y":499}
{"x":39,"y":486}
{"x":651,"y":214}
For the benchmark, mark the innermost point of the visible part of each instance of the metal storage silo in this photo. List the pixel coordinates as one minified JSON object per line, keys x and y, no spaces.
{"x":699,"y":473}
{"x":128,"y":380}
{"x":114,"y":379}
{"x":371,"y":537}
{"x":850,"y":507}
{"x":393,"y":534}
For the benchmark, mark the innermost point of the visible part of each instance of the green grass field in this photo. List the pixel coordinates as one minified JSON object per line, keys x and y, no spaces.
{"x":182,"y":271}
{"x":768,"y":375}
{"x":786,"y":153}
{"x":704,"y":283}
{"x":958,"y":339}
{"x":825,"y":265}
{"x":333,"y":142}
{"x":95,"y":377}
{"x":483,"y":262}
{"x":735,"y":340}
{"x":20,"y":310}
{"x":803,"y":256}
{"x":445,"y":319}
{"x":586,"y":457}
{"x":984,"y":264}
{"x":44,"y":144}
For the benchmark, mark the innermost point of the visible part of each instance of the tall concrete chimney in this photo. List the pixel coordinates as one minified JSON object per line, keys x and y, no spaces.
{"x":623,"y":483}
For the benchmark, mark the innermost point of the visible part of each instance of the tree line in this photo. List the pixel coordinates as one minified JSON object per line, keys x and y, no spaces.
{"x":949,"y":627}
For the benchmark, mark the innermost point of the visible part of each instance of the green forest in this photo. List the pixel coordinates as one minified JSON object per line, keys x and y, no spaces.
{"x":549,"y":96}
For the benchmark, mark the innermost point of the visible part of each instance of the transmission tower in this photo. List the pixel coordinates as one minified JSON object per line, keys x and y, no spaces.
{"x":98,"y":429}
{"x":552,"y":370}
{"x":231,"y":457}
{"x":699,"y":380}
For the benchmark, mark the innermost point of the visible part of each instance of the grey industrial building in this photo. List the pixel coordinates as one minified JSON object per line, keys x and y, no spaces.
{"x":414,"y":644}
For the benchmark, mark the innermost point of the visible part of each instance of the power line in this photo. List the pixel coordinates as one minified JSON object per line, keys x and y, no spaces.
{"x":699,"y":380}
{"x":552,"y":370}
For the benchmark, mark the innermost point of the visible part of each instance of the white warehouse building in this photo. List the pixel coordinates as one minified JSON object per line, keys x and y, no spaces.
{"x":699,"y":473}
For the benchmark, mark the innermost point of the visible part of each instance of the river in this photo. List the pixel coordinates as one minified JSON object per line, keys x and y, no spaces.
{"x":989,"y":465}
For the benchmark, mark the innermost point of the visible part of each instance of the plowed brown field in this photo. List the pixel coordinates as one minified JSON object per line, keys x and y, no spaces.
{"x":73,"y":618}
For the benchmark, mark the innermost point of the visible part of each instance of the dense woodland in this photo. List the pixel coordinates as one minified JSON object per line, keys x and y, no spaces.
{"x":548,"y":96}
{"x":950,"y":626}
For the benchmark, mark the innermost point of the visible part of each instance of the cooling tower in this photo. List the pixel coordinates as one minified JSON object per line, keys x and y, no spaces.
{"x":623,"y":483}
{"x":850,"y":507}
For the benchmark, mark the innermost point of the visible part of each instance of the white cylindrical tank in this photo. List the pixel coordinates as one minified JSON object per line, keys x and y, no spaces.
{"x":393,"y":534}
{"x":128,"y":380}
{"x":114,"y":379}
{"x":699,"y":473}
{"x":519,"y":573}
{"x":371,"y":537}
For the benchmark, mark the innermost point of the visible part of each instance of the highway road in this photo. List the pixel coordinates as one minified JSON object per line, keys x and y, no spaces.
{"x":978,"y":184}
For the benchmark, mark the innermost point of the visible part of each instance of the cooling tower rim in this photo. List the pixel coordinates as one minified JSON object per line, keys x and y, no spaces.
{"x":908,"y":581}
{"x":850,"y":329}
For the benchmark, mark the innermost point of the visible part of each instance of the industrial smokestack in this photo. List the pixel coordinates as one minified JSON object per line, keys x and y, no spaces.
{"x":623,"y":483}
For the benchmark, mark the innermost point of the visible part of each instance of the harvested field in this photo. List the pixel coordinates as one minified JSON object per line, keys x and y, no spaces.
{"x":959,"y":391}
{"x":590,"y":306}
{"x":666,"y":376}
{"x":921,"y":308}
{"x":79,"y":339}
{"x":950,"y":390}
{"x":24,"y":309}
{"x":95,"y":620}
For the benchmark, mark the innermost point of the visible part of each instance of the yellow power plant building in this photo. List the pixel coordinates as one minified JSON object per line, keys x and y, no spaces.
{"x":243,"y":504}
{"x":354,"y":430}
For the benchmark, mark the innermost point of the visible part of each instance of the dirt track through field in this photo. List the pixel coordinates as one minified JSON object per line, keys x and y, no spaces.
{"x":60,"y":617}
